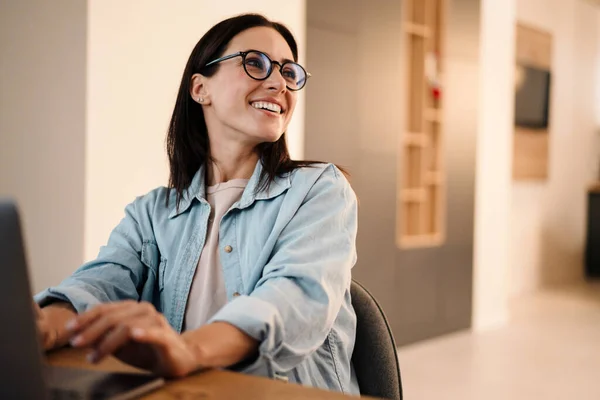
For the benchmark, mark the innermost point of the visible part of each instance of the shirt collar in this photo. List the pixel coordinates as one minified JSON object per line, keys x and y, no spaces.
{"x":197,"y":190}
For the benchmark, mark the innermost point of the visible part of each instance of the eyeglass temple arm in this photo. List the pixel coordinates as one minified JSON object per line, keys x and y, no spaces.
{"x":223,"y":58}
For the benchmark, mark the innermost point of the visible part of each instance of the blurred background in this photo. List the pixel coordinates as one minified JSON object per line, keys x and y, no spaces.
{"x":470,"y":129}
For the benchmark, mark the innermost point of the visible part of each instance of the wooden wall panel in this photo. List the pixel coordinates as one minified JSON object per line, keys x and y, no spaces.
{"x":530,"y":147}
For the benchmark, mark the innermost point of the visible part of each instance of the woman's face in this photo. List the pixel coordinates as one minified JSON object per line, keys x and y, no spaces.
{"x":232,"y":99}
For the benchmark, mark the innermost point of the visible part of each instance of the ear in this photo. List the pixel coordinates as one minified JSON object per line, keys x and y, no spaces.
{"x":198,"y":90}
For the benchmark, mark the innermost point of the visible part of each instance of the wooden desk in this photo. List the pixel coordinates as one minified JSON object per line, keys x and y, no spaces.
{"x":206,"y":385}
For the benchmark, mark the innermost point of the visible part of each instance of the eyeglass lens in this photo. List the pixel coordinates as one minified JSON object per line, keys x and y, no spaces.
{"x":259,"y":66}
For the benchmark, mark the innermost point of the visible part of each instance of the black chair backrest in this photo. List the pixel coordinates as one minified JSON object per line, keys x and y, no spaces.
{"x":374,"y":358}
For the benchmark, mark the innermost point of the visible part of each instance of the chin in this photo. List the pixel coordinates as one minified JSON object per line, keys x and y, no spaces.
{"x":271,"y":138}
{"x":267,"y":135}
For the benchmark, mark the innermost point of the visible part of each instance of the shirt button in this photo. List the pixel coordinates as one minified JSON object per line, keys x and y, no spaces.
{"x":236,"y":294}
{"x":228,"y":249}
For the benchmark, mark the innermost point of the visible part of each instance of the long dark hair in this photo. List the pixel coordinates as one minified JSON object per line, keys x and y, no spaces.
{"x":188,"y":145}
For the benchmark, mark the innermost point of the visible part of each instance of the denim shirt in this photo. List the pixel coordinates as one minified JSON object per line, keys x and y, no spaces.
{"x":286,"y":254}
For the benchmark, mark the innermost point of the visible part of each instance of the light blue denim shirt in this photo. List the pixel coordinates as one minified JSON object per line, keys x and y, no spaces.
{"x":286,"y":254}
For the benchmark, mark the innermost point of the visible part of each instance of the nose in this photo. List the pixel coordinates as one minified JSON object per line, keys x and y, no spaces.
{"x":275,"y":81}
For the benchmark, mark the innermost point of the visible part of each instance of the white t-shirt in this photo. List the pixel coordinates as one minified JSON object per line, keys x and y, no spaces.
{"x":207,"y":294}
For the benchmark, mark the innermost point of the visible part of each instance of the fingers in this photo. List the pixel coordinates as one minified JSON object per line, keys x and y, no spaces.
{"x":91,"y":328}
{"x":129,"y":330}
{"x":111,"y":342}
{"x":82,"y":320}
{"x":124,"y":326}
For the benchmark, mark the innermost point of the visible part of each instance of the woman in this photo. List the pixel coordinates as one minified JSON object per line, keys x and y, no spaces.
{"x":244,"y":260}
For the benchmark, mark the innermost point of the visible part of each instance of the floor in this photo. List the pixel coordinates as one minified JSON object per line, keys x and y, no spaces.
{"x":549,"y":350}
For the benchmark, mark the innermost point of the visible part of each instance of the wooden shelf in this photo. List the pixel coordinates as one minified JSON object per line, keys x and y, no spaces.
{"x":421,"y":241}
{"x":413,"y":195}
{"x":417,"y":30}
{"x":416,"y":140}
{"x":421,"y":209}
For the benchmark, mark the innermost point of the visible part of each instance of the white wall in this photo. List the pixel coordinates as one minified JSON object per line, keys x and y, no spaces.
{"x":137,"y":51}
{"x":42,"y":129}
{"x":548,"y":218}
{"x":494,"y":157}
{"x":86,"y":92}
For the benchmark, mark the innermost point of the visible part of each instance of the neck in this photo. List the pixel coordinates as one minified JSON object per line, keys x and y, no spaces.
{"x":233,"y":156}
{"x":230,"y":164}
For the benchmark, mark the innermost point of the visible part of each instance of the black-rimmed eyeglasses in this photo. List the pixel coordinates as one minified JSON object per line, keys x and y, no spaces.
{"x":259,"y":66}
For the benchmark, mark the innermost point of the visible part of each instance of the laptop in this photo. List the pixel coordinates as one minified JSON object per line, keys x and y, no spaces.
{"x":23,"y":373}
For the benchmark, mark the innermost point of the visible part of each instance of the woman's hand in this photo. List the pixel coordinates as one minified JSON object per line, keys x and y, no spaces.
{"x":136,"y":334}
{"x":51,"y":321}
{"x":48,"y":334}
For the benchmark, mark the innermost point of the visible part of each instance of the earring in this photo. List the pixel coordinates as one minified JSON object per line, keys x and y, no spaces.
{"x":200,"y":99}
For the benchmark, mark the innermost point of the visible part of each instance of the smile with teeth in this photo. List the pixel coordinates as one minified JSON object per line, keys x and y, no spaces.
{"x":264,"y":105}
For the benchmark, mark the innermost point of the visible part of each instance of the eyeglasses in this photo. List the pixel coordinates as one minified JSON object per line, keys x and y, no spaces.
{"x":259,"y":67}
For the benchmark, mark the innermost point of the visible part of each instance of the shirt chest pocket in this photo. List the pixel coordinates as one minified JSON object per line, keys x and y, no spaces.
{"x":152,"y":259}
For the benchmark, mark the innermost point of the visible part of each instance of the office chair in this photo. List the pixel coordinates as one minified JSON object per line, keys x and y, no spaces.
{"x":374,"y":358}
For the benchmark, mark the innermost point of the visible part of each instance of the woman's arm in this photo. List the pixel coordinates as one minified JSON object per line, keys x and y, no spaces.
{"x":119,"y":272}
{"x":220,"y":344}
{"x":296,"y":302}
{"x":139,"y":335}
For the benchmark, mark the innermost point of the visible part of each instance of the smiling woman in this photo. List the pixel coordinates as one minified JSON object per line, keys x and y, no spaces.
{"x":267,"y":76}
{"x":244,"y":260}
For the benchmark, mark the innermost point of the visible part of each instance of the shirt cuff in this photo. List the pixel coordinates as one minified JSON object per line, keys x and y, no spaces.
{"x":80,"y":299}
{"x":258,"y":319}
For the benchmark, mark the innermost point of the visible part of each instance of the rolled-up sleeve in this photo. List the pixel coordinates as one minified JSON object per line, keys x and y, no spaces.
{"x":118,"y":272}
{"x":294,"y":305}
